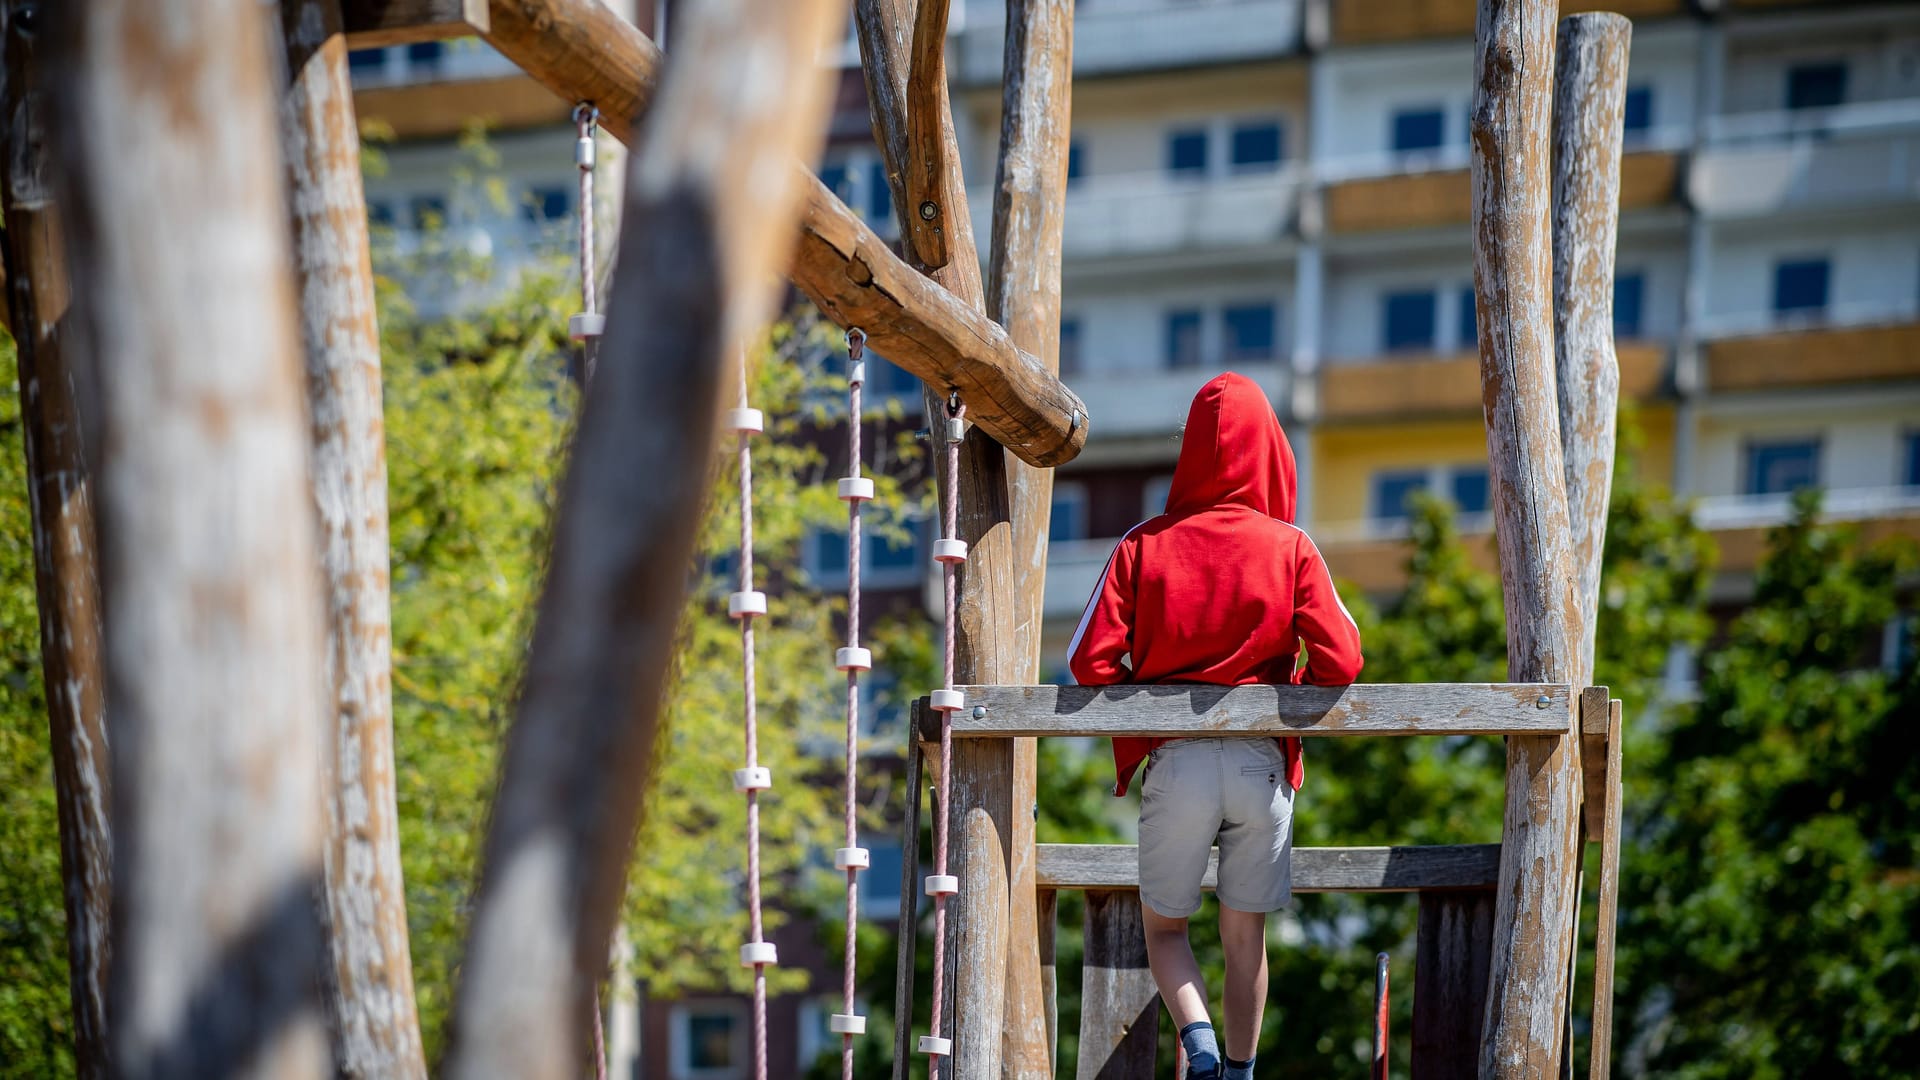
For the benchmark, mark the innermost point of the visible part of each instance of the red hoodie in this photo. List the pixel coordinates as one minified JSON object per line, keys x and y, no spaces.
{"x":1222,"y":588}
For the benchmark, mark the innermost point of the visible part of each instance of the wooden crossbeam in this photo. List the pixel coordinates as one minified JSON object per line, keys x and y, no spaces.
{"x":1315,"y":870}
{"x":373,"y":24}
{"x":1171,"y":710}
{"x":583,"y":52}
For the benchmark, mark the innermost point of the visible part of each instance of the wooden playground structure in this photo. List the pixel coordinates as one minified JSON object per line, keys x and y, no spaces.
{"x":226,"y":364}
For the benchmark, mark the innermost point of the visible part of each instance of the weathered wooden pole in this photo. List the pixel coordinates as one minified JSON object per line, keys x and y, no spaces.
{"x":1534,"y":908}
{"x":371,"y":1015}
{"x":711,"y":202}
{"x":165,"y":131}
{"x":1590,"y":85}
{"x":60,"y":493}
{"x":1119,"y":1003}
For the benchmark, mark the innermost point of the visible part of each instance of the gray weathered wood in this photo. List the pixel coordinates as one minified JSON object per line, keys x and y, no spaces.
{"x":164,"y":130}
{"x":909,"y":929}
{"x":1453,"y":947}
{"x":1361,"y":869}
{"x":372,"y":24}
{"x":1511,"y":124}
{"x":1119,"y":1003}
{"x":711,"y":201}
{"x":935,"y":330}
{"x":1608,"y":917}
{"x":1590,"y":88}
{"x":1047,"y":917}
{"x":372,"y":1019}
{"x":60,"y":496}
{"x":1183,"y":709}
{"x":1593,"y":760}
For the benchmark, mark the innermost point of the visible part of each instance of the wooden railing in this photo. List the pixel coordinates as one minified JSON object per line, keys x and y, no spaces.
{"x":1454,"y":883}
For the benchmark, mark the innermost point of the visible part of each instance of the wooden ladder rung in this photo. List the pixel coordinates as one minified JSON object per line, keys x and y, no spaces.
{"x":1315,"y":870}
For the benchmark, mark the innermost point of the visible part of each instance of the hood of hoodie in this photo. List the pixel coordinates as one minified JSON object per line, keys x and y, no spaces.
{"x":1233,"y":453}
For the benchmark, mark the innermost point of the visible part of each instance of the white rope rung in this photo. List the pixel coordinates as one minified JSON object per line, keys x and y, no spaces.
{"x":742,"y":605}
{"x":756,"y":953}
{"x":948,"y":701}
{"x":956,"y":429}
{"x":847,"y":1024}
{"x":942,"y":885}
{"x":587,"y":324}
{"x":583,"y":153}
{"x":936,"y":1046}
{"x":851,"y":858}
{"x":748,"y":421}
{"x":752,"y":778}
{"x":949,"y":551}
{"x":853,"y":658}
{"x":856,"y":488}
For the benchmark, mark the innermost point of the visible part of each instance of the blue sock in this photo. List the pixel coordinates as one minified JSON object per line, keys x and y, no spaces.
{"x":1203,"y":1051}
{"x":1239,"y":1070}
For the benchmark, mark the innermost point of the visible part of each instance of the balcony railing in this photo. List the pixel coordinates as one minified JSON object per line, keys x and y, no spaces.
{"x":1137,"y":35}
{"x":1718,"y":513}
{"x":1760,"y":163}
{"x":1157,"y":213}
{"x":1889,"y":311}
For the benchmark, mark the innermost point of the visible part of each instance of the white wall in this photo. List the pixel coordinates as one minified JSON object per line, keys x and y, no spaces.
{"x":1875,"y":268}
{"x":1354,"y":326}
{"x":1862,"y":442}
{"x":1123,"y":328}
{"x":1881,"y":51}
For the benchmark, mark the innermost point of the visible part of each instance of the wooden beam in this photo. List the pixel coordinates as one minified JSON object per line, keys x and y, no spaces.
{"x":1184,"y":709}
{"x":373,"y":24}
{"x":1453,"y":946}
{"x":371,"y":1017}
{"x":1593,"y":759}
{"x":60,"y":494}
{"x":1590,"y":89}
{"x":1315,"y":870}
{"x":711,"y":201}
{"x":165,"y":135}
{"x":1119,"y":1003}
{"x":1047,"y":916}
{"x":1599,"y":1061}
{"x":925,"y":212}
{"x":936,"y":330}
{"x":1533,"y":916}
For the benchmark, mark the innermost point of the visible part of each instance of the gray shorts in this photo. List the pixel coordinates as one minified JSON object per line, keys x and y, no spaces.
{"x":1233,"y":791}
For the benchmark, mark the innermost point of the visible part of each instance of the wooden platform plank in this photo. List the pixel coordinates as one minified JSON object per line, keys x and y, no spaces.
{"x":1334,"y":869}
{"x":373,"y":24}
{"x":1176,"y":710}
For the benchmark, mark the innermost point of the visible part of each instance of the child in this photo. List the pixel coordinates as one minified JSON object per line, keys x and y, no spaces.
{"x":1220,"y":589}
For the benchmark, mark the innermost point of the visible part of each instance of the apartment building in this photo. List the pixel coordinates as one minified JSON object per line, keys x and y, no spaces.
{"x":1279,"y":187}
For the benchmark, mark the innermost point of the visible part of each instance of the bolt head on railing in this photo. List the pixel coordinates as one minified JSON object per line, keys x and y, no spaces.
{"x":929,"y":210}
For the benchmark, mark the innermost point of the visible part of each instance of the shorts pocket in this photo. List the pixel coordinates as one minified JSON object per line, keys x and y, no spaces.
{"x":1275,"y":768}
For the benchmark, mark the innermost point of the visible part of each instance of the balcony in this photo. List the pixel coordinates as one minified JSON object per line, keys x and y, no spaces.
{"x":1385,"y":191}
{"x":445,"y":108}
{"x":1851,"y":347}
{"x":1144,"y":214}
{"x":1153,"y":402}
{"x":1757,"y":164}
{"x":1425,"y":386}
{"x":1366,"y":22}
{"x":1073,"y":570}
{"x":1143,"y":35}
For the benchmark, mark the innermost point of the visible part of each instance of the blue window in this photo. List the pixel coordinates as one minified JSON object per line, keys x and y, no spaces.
{"x":1187,"y":153}
{"x":888,"y":379}
{"x":1471,"y":490}
{"x":1816,"y":86}
{"x":1913,"y":460}
{"x":548,"y":204}
{"x":1628,"y":290}
{"x":1068,"y":518}
{"x":380,"y":213}
{"x":1639,"y":109}
{"x":1070,"y":345}
{"x":879,"y":195}
{"x":828,"y":557}
{"x":429,"y":211}
{"x":1076,"y":161}
{"x":1183,"y":339}
{"x":835,"y":177}
{"x":425,"y":53}
{"x":1250,"y":332}
{"x":1800,"y":286}
{"x":884,"y":555}
{"x":1257,"y":147}
{"x":1469,"y":324}
{"x":1393,"y":493}
{"x":880,"y":885}
{"x":1409,"y":321}
{"x":1776,"y":468}
{"x":366,"y":59}
{"x":712,"y":1041}
{"x":1418,"y":129}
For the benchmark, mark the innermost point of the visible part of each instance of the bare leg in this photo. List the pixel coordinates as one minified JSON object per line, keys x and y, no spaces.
{"x":1175,"y":971}
{"x":1243,"y":937}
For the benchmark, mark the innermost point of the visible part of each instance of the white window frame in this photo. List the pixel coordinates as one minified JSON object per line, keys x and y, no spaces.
{"x":679,"y":1038}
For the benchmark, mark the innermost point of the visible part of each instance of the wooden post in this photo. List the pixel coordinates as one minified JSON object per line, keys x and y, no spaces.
{"x":372,"y":1019}
{"x":1119,"y":1004}
{"x":1452,"y":950}
{"x":1512,"y":102}
{"x":1599,"y":1065}
{"x":1047,"y":910}
{"x":178,"y":232}
{"x":905,"y":943}
{"x":60,"y":493}
{"x":710,"y":204}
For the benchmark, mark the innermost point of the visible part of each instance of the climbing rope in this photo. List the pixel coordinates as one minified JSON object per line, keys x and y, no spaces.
{"x":854,"y":489}
{"x":746,"y":605}
{"x":587,"y":326}
{"x":949,"y":552}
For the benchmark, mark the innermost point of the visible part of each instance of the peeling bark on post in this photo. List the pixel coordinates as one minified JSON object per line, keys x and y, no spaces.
{"x":209,"y":569}
{"x":711,"y":202}
{"x":1512,"y":103}
{"x":66,"y":575}
{"x":1589,"y":99}
{"x":372,"y":1018}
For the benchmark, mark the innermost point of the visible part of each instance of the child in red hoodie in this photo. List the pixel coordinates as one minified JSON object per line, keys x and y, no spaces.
{"x":1221,"y":589}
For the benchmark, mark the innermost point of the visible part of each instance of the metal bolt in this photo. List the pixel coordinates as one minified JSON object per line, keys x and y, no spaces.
{"x":1036,"y":811}
{"x":1542,"y":701}
{"x":929,"y":210}
{"x":979,"y":712}
{"x":1073,"y":424}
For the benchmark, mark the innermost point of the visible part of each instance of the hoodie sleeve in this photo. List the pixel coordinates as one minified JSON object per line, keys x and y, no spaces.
{"x":1105,"y":634}
{"x":1331,"y":637}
